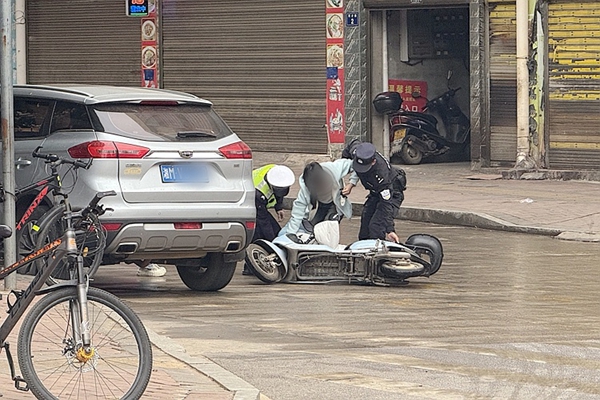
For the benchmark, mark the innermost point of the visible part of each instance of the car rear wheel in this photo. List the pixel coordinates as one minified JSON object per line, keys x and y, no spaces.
{"x":211,"y":274}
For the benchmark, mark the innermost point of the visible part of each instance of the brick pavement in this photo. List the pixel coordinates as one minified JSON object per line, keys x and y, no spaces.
{"x":171,"y":378}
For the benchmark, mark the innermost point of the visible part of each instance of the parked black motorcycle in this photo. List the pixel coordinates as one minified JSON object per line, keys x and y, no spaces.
{"x":418,"y":135}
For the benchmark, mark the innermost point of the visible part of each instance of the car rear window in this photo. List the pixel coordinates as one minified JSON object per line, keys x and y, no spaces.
{"x":161,"y":122}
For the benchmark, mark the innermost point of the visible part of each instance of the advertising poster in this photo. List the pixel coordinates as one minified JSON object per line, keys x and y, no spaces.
{"x":406,"y":90}
{"x":149,"y":51}
{"x":334,"y":30}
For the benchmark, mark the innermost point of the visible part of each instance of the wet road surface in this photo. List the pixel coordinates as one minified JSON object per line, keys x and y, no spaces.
{"x":508,"y":316}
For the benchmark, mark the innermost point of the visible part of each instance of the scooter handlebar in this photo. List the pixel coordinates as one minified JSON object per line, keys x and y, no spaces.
{"x":449,"y":93}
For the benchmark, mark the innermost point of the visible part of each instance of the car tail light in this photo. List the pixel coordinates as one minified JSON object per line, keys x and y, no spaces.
{"x":237,"y":150}
{"x":112,"y":226}
{"x":250,"y":224}
{"x":188,"y":225}
{"x":107,"y":149}
{"x":401,"y":119}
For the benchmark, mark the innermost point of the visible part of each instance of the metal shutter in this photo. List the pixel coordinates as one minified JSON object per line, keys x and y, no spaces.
{"x":262,"y":64}
{"x":574,"y":69}
{"x":394,"y":4}
{"x":503,"y":83}
{"x":78,"y":41}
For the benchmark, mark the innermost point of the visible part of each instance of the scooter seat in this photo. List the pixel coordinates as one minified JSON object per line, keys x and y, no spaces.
{"x":427,"y":117}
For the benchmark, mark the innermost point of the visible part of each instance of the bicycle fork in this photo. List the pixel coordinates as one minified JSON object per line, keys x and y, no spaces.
{"x":79,"y":308}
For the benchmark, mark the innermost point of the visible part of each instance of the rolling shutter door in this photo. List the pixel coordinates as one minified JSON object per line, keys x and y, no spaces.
{"x":261,"y":63}
{"x":574,"y":70}
{"x":503,"y":82}
{"x":391,"y":4}
{"x":78,"y":41}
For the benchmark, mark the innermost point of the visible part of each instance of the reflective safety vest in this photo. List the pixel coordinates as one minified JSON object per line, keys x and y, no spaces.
{"x":260,"y":183}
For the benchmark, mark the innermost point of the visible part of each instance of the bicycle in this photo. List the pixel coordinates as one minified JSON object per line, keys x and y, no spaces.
{"x":90,"y":235}
{"x":77,"y":340}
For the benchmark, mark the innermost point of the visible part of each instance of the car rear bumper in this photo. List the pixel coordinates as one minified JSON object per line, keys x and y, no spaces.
{"x":136,"y":241}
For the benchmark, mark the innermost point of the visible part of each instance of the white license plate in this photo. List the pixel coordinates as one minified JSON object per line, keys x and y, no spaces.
{"x":184,"y":173}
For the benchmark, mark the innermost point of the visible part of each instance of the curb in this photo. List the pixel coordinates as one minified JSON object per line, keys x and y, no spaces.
{"x":242,"y":390}
{"x":470,"y":219}
{"x":474,"y":220}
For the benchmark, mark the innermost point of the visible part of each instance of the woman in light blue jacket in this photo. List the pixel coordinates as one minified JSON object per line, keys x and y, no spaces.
{"x":320,"y":194}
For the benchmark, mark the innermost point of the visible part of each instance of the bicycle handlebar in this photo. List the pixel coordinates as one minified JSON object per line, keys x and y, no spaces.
{"x":53,"y":158}
{"x":93,"y":206}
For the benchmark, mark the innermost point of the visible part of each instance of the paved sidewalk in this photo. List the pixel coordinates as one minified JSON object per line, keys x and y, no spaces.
{"x":452,"y":194}
{"x":175,"y":375}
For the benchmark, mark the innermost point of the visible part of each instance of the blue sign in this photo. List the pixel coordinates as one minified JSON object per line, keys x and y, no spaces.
{"x":148,"y":74}
{"x":351,"y":19}
{"x":136,"y":8}
{"x":332,"y":72}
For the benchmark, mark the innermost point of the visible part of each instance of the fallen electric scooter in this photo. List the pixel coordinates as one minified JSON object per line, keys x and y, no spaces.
{"x":317,"y":256}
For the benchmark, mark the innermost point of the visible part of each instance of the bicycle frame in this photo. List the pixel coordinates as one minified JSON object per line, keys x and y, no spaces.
{"x":48,"y":186}
{"x":25,"y":297}
{"x":65,"y":247}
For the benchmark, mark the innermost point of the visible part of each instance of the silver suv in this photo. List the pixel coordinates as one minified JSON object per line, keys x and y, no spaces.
{"x":183,"y":179}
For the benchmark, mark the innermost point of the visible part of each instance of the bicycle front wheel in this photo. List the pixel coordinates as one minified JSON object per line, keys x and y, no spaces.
{"x":89,"y":235}
{"x":54,"y":364}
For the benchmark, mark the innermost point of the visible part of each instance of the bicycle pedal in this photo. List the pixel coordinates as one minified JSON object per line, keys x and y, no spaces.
{"x":18,"y":381}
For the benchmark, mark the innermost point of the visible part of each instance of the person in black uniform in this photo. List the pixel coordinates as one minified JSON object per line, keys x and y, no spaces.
{"x":386,"y":185}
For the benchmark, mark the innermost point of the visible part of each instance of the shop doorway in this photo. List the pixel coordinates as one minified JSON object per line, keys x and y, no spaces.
{"x":428,"y":63}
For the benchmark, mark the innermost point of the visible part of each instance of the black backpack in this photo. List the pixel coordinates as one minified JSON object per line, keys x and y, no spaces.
{"x":350,"y":148}
{"x":400,"y":179}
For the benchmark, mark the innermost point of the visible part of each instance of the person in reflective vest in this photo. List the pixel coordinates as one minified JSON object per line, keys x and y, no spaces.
{"x":272,"y":183}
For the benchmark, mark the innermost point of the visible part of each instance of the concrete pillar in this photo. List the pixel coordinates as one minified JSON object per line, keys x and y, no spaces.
{"x":375,"y":68}
{"x":538,"y":84}
{"x":21,"y":41}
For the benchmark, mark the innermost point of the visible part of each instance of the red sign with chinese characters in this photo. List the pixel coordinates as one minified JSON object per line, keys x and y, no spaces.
{"x":150,"y":55}
{"x":406,"y":90}
{"x":334,"y":30}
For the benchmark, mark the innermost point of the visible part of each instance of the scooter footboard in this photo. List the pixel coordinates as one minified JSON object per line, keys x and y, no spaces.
{"x":428,"y":245}
{"x":328,"y":266}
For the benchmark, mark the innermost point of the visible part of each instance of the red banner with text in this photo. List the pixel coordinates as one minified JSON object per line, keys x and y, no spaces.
{"x":406,"y":89}
{"x":149,"y":54}
{"x":336,"y":118}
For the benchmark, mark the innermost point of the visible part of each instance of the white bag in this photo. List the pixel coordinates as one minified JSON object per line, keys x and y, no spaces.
{"x":328,"y":233}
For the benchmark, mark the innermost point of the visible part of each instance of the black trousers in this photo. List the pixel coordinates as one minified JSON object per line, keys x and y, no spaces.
{"x":267,"y":226}
{"x":377,"y":219}
{"x":323,"y":211}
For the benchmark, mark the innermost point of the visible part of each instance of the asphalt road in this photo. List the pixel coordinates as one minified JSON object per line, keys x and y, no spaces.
{"x":508,"y":316}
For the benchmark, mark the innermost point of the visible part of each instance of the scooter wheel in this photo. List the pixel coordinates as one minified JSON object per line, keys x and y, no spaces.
{"x":266,"y":265}
{"x":401,"y":269}
{"x":411,"y":155}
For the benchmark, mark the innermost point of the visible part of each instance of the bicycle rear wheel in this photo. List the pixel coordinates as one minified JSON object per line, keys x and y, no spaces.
{"x":90,"y":237}
{"x":53,"y":365}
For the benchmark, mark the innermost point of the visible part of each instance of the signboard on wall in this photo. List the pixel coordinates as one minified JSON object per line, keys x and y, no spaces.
{"x":334,"y":28}
{"x":150,"y":55}
{"x":406,"y":89}
{"x":136,"y":8}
